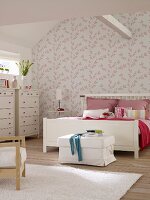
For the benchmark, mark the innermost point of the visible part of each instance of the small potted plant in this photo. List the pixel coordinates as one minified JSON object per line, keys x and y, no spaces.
{"x":24,"y":67}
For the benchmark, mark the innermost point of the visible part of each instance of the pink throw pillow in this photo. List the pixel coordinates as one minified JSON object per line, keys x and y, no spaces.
{"x":96,"y":103}
{"x":135,"y":104}
{"x":121,"y":112}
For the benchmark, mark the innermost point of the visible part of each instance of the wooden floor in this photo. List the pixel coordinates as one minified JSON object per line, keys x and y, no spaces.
{"x":125,"y":163}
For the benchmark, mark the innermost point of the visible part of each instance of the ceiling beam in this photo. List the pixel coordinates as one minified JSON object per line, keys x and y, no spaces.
{"x":113,"y":23}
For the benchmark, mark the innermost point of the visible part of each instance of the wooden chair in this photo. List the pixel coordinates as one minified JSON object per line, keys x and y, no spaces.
{"x":15,"y":144}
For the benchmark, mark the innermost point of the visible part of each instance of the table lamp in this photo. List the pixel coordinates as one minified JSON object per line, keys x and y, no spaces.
{"x":59,"y":98}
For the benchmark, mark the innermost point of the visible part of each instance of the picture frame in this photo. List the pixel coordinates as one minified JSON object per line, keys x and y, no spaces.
{"x":3,"y":83}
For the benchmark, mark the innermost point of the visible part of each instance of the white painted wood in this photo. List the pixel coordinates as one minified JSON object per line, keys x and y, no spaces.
{"x":27,"y":112}
{"x":29,"y":130}
{"x":56,"y":114}
{"x":124,"y":131}
{"x":113,"y":23}
{"x":29,"y":102}
{"x":6,"y":101}
{"x":136,"y":140}
{"x":117,"y":95}
{"x":7,"y":132}
{"x":33,"y":120}
{"x":44,"y":135}
{"x":6,"y":123}
{"x":7,"y":112}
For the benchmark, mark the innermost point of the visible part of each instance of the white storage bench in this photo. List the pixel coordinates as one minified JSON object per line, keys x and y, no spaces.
{"x":96,"y":150}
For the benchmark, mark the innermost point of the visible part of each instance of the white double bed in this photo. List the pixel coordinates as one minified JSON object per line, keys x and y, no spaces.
{"x":126,"y":132}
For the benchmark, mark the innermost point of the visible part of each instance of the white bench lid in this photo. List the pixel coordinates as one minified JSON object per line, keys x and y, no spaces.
{"x":92,"y":142}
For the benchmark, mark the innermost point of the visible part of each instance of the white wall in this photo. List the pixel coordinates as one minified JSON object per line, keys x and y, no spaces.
{"x":25,"y":53}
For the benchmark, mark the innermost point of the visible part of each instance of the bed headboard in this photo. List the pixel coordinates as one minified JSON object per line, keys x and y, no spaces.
{"x":113,"y":96}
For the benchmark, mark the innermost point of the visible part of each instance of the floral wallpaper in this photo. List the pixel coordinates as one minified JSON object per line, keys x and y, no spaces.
{"x":85,"y":56}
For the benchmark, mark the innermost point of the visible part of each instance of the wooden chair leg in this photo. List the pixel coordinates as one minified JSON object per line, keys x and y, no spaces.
{"x":24,"y":170}
{"x":18,"y":166}
{"x":17,"y":183}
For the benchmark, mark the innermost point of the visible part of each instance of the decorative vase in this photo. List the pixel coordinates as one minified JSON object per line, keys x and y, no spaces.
{"x":14,"y":82}
{"x":24,"y":82}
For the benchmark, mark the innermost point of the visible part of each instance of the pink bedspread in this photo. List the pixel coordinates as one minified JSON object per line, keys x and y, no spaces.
{"x":144,"y":137}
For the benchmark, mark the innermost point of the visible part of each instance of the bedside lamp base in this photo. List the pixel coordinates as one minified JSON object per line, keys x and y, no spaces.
{"x":60,"y":109}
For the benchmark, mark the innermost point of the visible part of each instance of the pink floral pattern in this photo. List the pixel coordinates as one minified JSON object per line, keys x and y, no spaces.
{"x":85,"y":56}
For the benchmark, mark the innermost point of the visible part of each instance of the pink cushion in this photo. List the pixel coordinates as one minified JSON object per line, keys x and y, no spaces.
{"x":121,"y":112}
{"x":135,"y":104}
{"x":96,"y":103}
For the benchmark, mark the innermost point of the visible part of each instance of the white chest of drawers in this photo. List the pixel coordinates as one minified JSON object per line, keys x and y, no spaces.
{"x":27,"y":112}
{"x":7,"y":112}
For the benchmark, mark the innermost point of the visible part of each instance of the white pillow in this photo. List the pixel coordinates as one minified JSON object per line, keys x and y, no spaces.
{"x":94,"y":113}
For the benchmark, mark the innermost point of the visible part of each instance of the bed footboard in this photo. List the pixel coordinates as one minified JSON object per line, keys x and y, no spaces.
{"x":125,"y":132}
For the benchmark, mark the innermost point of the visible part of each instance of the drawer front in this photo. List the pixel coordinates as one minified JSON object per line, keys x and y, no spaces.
{"x":6,"y":102}
{"x":29,"y":120}
{"x":28,"y":93}
{"x":28,"y":130}
{"x":30,"y":102}
{"x":6,"y":113}
{"x":26,"y":112}
{"x":7,"y":92}
{"x":7,"y":132}
{"x":6,"y":123}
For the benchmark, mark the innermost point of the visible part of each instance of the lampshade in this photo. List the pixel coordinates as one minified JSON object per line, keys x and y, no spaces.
{"x":58,"y":94}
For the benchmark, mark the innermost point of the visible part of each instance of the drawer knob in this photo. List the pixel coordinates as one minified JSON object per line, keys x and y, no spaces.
{"x":35,"y":102}
{"x":9,"y":113}
{"x":9,"y":123}
{"x":34,"y":111}
{"x":24,"y":130}
{"x":9,"y":133}
{"x":35,"y":120}
{"x":35,"y":128}
{"x":23,"y":101}
{"x":9,"y":101}
{"x":24,"y":121}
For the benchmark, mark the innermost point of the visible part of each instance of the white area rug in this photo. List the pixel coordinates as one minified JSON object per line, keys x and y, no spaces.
{"x":67,"y":183}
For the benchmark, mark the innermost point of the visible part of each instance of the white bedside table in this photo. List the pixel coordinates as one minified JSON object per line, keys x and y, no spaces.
{"x":57,"y":114}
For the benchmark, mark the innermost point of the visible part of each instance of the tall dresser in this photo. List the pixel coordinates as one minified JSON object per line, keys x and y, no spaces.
{"x":27,"y":112}
{"x":7,"y":112}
